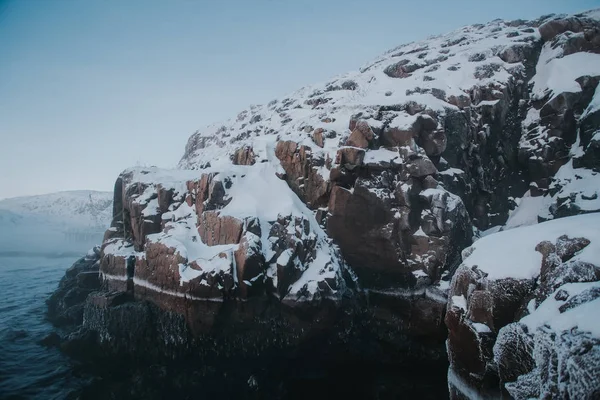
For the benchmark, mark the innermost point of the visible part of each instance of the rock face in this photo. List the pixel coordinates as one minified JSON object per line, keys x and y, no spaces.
{"x":65,"y":306}
{"x":525,"y":330}
{"x":343,"y":209}
{"x":519,"y":348}
{"x":395,"y":224}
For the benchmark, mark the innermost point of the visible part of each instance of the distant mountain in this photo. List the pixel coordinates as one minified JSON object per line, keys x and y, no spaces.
{"x":54,"y":223}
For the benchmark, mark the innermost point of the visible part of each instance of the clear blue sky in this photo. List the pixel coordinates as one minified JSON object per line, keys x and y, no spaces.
{"x":90,"y":87}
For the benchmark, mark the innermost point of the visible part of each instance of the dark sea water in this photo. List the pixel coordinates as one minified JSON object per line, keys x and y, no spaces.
{"x":27,"y":369}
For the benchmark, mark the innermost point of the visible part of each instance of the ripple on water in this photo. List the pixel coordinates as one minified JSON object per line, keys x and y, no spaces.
{"x":27,"y":369}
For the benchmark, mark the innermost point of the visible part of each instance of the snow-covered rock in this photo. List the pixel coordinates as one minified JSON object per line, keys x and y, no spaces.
{"x":376,"y":181}
{"x":54,"y":223}
{"x":395,"y":162}
{"x":220,"y":234}
{"x":536,"y":290}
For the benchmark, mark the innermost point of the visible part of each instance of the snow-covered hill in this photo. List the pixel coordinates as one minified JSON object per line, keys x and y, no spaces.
{"x":54,"y":223}
{"x":433,"y":74}
{"x":476,"y":70}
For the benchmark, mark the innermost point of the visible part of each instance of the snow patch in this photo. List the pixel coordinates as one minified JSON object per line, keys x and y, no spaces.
{"x":512,"y":254}
{"x":557,"y":75}
{"x":548,"y":312}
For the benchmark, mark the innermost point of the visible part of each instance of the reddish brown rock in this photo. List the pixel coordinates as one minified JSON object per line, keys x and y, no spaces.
{"x":213,"y":283}
{"x":492,"y":303}
{"x":464,"y":352}
{"x":208,"y":193}
{"x":135,"y":223}
{"x":350,"y":157}
{"x":372,"y":222}
{"x":359,"y":223}
{"x":339,"y":200}
{"x":215,"y":229}
{"x":361,"y":135}
{"x":249,"y":263}
{"x":160,"y":266}
{"x":157,"y":276}
{"x":483,"y":359}
{"x":393,"y":137}
{"x":244,"y":156}
{"x":112,"y":264}
{"x":300,"y":174}
{"x":481,"y":308}
{"x":317,"y":137}
{"x":357,"y":139}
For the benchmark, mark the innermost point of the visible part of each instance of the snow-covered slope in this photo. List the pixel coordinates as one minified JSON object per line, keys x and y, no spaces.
{"x":470,"y":67}
{"x":512,"y":254}
{"x":434,"y":74}
{"x":54,"y":223}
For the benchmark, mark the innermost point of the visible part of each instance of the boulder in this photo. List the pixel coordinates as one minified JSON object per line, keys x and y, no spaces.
{"x":549,"y":30}
{"x":516,"y":53}
{"x":318,"y":137}
{"x":477,"y":309}
{"x":362,"y":134}
{"x":421,"y":167}
{"x":65,"y":305}
{"x":513,"y":352}
{"x":350,"y":157}
{"x":402,"y":69}
{"x":393,"y":137}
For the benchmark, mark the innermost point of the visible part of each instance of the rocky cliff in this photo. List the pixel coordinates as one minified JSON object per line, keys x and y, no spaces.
{"x":345,"y":207}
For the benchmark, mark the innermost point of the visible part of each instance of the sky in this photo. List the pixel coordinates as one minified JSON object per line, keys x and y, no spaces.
{"x":89,"y":88}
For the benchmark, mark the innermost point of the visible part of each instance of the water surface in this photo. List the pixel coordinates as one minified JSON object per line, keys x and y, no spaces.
{"x":27,"y":369}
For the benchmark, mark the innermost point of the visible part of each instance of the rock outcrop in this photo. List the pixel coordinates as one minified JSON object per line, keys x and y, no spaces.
{"x":520,"y":321}
{"x":342,"y":210}
{"x":66,"y":304}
